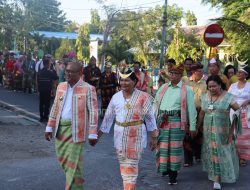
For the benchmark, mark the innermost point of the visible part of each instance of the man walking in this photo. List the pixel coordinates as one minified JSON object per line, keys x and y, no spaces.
{"x":192,"y":146}
{"x":74,"y":110}
{"x":45,"y":79}
{"x":175,"y":107}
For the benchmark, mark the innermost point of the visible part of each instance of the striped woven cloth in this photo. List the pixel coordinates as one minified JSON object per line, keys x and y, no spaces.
{"x":69,"y":155}
{"x":169,"y":150}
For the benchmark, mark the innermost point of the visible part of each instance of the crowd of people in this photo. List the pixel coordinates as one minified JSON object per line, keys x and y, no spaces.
{"x":204,"y":117}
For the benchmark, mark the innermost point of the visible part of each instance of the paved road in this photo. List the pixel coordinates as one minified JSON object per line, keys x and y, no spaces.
{"x":28,"y":162}
{"x":25,"y":101}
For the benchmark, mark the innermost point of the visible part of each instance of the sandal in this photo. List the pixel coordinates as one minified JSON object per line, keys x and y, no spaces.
{"x":217,"y":186}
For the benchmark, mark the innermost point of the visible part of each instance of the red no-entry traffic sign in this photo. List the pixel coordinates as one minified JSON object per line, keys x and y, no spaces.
{"x":213,"y":35}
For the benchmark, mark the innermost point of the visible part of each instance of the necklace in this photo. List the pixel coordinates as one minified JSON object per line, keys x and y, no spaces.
{"x":211,"y":104}
{"x":128,"y":105}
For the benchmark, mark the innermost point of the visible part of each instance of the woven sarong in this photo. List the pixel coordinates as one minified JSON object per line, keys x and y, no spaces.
{"x":243,"y":141}
{"x":169,"y":149}
{"x":70,"y":157}
{"x":129,"y":172}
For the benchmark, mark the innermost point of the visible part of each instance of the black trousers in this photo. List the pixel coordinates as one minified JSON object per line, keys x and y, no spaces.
{"x":192,"y":147}
{"x":44,"y":105}
{"x":172,"y":176}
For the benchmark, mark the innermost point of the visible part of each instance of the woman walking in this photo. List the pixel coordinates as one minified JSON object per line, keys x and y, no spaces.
{"x":241,"y":92}
{"x":219,"y":157}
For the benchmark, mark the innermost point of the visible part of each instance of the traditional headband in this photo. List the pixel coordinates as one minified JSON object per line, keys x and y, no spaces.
{"x":178,"y":68}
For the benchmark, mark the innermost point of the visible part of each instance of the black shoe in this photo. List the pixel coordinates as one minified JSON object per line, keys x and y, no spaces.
{"x":163,"y":174}
{"x":45,"y":119}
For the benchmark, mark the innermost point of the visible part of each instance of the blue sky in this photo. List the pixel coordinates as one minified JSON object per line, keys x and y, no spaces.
{"x":79,"y":10}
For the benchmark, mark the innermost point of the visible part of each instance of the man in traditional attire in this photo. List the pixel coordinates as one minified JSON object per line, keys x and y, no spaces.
{"x":132,"y":110}
{"x":214,"y":69}
{"x":192,"y":146}
{"x":174,"y":109}
{"x":108,"y":85}
{"x":74,"y":110}
{"x":92,"y":73}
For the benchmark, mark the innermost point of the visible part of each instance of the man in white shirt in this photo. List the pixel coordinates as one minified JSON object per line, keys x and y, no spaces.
{"x":74,"y":110}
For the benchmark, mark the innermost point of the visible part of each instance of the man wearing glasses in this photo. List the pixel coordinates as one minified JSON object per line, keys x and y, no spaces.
{"x":73,"y":112}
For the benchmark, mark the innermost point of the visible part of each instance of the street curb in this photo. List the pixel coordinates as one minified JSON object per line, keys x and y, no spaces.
{"x":19,"y":111}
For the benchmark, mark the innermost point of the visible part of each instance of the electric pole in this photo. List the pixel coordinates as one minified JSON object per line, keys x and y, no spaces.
{"x":164,"y":25}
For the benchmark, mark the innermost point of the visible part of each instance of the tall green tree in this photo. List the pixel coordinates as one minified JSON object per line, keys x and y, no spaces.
{"x":190,"y":18}
{"x":183,"y":46}
{"x":95,"y":22}
{"x":11,"y":22}
{"x":82,"y":43}
{"x":142,"y":29}
{"x":44,"y":15}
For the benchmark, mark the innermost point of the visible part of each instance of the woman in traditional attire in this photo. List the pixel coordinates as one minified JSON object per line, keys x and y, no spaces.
{"x":131,"y":109}
{"x":108,"y":84}
{"x":241,"y":92}
{"x":18,"y":74}
{"x":219,"y":157}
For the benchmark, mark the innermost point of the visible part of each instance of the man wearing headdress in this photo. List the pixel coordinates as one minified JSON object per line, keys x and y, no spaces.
{"x":131,"y":109}
{"x":108,"y":85}
{"x":92,"y":73}
{"x":174,"y":108}
{"x":214,"y":69}
{"x":197,"y":83}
